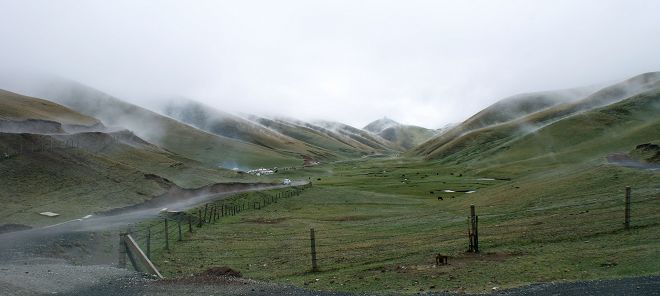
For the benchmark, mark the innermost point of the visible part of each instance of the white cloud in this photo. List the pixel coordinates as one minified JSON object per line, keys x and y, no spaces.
{"x":420,"y":62}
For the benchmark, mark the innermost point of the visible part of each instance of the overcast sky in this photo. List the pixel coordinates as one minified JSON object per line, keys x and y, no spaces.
{"x":418,"y":62}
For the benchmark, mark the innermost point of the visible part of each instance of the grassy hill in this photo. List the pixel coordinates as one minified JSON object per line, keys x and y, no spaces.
{"x":318,"y":136}
{"x":521,"y":105}
{"x":402,"y":136}
{"x":379,"y":125}
{"x":364,"y":137}
{"x":166,"y":132}
{"x":407,"y":136}
{"x":27,"y":113}
{"x":44,"y":169}
{"x":466,"y":136}
{"x":224,"y":124}
{"x":591,"y":135}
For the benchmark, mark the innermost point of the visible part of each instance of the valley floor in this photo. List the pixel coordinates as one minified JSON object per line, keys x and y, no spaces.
{"x":379,"y":224}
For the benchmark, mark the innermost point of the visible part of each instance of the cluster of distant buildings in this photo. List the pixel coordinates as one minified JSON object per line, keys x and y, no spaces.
{"x":257,"y":172}
{"x":262,"y":171}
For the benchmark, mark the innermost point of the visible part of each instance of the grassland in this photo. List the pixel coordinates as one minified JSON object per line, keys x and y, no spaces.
{"x":378,"y":228}
{"x":17,"y":107}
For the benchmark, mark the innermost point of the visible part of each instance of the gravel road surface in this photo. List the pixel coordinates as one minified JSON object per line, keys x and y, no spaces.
{"x":43,"y":276}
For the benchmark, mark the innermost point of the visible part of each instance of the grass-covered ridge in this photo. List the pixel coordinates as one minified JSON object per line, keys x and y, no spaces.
{"x":167,"y":132}
{"x":17,"y":107}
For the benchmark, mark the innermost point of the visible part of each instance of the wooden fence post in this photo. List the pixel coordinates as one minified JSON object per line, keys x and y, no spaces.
{"x":122,"y":251}
{"x":474,"y":233}
{"x":190,"y":223}
{"x":149,"y":242}
{"x":199,"y":217}
{"x":167,"y":237}
{"x":178,"y":223}
{"x":627,"y":213}
{"x":312,"y":239}
{"x":469,"y":233}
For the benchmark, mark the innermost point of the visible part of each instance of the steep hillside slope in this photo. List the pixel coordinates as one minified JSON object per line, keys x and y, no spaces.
{"x":317,"y":136}
{"x":402,"y":136}
{"x":165,"y":132}
{"x":464,"y":135}
{"x":224,"y":124}
{"x":407,"y":136}
{"x":366,"y":138}
{"x":379,"y":125}
{"x":619,"y":127}
{"x":52,"y":161}
{"x":20,"y":113}
{"x":521,"y":105}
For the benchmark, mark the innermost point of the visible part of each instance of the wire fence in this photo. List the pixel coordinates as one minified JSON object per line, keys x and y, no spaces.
{"x":383,"y":240}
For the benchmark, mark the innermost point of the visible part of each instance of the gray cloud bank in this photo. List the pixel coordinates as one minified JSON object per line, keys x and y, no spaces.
{"x":419,"y":62}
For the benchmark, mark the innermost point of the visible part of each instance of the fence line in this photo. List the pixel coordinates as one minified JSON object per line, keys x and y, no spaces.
{"x":328,"y":248}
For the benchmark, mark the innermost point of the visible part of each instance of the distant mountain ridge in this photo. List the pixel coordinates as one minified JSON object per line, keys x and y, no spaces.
{"x":480,"y":133}
{"x":402,"y":136}
{"x":379,"y":125}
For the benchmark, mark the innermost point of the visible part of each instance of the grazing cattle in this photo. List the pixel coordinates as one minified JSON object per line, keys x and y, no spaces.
{"x":441,"y":260}
{"x":439,"y":197}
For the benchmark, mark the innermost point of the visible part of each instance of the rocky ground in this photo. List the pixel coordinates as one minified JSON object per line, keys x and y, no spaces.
{"x":55,"y":277}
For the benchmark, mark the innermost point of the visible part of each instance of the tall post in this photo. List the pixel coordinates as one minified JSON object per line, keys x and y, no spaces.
{"x":474,"y":233}
{"x":627,"y":214}
{"x":149,"y":242}
{"x":469,"y":233}
{"x":122,"y":251}
{"x":167,"y":237}
{"x":199,"y":217}
{"x":312,"y":239}
{"x":190,"y":223}
{"x":178,"y":223}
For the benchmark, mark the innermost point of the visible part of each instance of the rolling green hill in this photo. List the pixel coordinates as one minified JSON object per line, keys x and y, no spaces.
{"x":465,"y":136}
{"x":166,"y":132}
{"x":224,"y":124}
{"x":407,"y":136}
{"x":22,"y":113}
{"x":379,"y":125}
{"x":46,"y":169}
{"x":318,"y":136}
{"x":364,"y":137}
{"x":619,"y":127}
{"x":404,"y":137}
{"x":520,"y":105}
